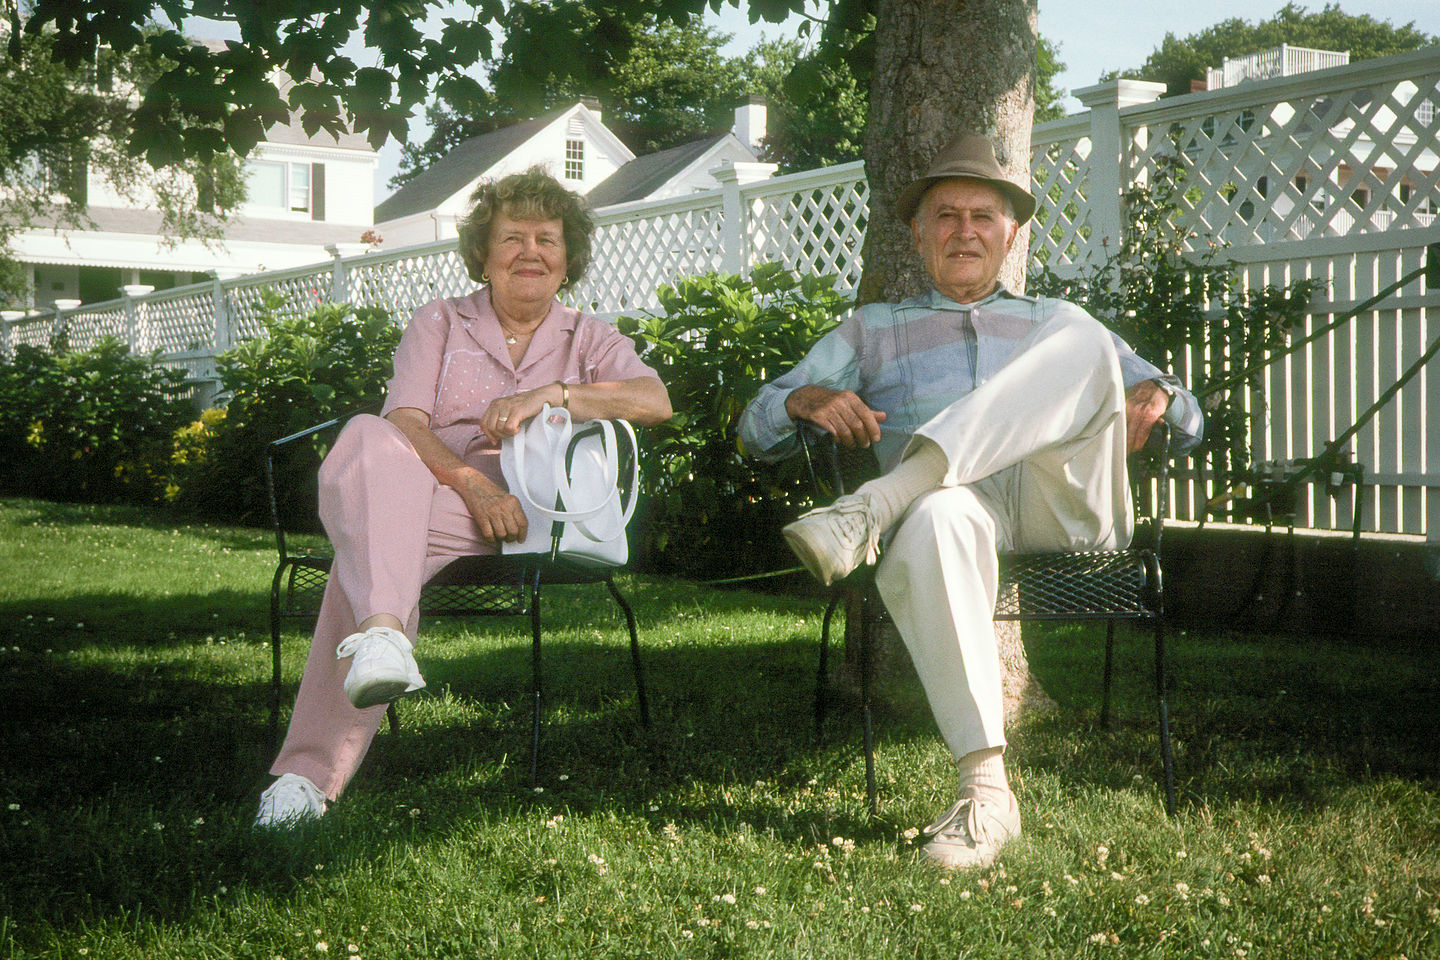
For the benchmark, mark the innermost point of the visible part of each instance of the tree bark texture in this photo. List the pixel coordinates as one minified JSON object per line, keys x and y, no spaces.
{"x":942,"y":67}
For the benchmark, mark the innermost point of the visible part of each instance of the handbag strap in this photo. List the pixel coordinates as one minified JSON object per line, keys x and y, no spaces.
{"x":556,"y":452}
{"x":627,"y":507}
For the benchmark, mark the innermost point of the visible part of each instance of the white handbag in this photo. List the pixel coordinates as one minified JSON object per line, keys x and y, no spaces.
{"x":567,"y":479}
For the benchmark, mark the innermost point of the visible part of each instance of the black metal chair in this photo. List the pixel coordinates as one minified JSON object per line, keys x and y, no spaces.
{"x":476,"y":586}
{"x":1109,"y":585}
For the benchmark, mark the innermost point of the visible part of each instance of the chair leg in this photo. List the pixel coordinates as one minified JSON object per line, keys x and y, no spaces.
{"x":634,"y":651}
{"x":535,"y":682}
{"x":1109,"y":674}
{"x":822,"y":672}
{"x":1166,"y":755}
{"x":275,"y":678}
{"x":866,"y":628}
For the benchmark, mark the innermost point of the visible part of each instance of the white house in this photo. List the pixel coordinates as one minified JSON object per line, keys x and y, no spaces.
{"x":305,"y":193}
{"x":580,"y":151}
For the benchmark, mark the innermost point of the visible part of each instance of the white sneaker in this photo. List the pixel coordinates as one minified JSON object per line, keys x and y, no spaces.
{"x":971,"y":833}
{"x":382,"y":669}
{"x":831,"y":541}
{"x":290,"y":800}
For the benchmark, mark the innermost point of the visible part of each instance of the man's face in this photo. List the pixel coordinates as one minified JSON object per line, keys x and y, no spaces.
{"x":962,"y":232}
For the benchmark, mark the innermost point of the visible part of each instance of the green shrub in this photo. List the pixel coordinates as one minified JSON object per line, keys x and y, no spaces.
{"x":90,"y":425}
{"x":1166,"y":302}
{"x":719,"y":338}
{"x":304,"y":370}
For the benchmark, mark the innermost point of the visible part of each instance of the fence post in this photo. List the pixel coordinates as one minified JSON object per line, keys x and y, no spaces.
{"x":733,"y":226}
{"x":135,"y":314}
{"x":1108,"y":176}
{"x":340,"y":276}
{"x":7,"y":319}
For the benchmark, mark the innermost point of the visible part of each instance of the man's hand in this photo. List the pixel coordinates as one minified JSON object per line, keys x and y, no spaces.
{"x":840,"y":413}
{"x":1145,"y":404}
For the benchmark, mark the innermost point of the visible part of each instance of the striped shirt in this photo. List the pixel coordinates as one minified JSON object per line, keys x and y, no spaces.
{"x":915,"y":358}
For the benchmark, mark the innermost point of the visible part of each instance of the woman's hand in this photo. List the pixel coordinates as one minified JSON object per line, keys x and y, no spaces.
{"x":506,"y":416}
{"x":496,"y":513}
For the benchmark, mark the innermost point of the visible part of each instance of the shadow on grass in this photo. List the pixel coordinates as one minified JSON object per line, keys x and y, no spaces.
{"x":1279,"y":719}
{"x":132,"y":787}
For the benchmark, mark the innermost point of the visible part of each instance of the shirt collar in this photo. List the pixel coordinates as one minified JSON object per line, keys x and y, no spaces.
{"x":939,"y":301}
{"x":478,"y":317}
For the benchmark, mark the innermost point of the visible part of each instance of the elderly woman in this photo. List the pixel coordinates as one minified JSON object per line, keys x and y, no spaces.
{"x":403,"y":494}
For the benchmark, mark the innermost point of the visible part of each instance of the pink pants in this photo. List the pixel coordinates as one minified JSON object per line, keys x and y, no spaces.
{"x":393,"y":527}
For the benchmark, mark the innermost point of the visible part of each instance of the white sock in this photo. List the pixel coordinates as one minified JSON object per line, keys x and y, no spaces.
{"x":982,"y":777}
{"x":919,"y":473}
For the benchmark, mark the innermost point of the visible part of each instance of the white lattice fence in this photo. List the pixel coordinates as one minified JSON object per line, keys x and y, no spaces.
{"x":816,"y":225}
{"x":405,"y":281}
{"x":179,"y":320}
{"x":639,"y":247}
{"x":300,"y":291}
{"x":85,"y":328}
{"x":1060,"y":171}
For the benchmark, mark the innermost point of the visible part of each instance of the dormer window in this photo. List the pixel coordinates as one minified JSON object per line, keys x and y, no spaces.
{"x":574,"y":159}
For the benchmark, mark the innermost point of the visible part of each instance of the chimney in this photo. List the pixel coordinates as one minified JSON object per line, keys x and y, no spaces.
{"x":750,"y":122}
{"x":593,"y":105}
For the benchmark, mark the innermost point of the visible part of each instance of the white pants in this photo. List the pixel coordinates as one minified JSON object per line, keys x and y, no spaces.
{"x":1036,"y":461}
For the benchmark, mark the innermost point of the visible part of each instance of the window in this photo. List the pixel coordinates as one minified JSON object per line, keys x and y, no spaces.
{"x":1425,"y":113}
{"x":1426,"y":205}
{"x":574,"y":159}
{"x":278,"y":185}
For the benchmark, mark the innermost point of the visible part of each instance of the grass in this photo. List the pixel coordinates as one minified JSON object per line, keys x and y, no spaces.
{"x":134,"y":683}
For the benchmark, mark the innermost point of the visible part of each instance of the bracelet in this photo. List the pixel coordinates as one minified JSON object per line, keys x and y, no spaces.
{"x":564,"y":394}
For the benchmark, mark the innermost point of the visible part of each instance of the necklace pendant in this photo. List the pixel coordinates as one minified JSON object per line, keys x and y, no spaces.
{"x":512,"y":339}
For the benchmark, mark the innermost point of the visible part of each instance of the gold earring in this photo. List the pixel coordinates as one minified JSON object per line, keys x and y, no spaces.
{"x":566,"y":281}
{"x":484,"y":277}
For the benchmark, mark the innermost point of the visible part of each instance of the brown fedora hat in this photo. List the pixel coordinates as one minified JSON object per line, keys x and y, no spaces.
{"x":972,"y":156}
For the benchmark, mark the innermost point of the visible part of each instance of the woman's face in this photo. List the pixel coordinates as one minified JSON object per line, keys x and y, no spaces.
{"x":526,"y":263}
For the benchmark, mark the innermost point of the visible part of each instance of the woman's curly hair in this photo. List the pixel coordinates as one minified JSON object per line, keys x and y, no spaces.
{"x":531,"y":195}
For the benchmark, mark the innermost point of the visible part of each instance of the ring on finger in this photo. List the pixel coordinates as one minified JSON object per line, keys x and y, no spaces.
{"x":503,"y":419}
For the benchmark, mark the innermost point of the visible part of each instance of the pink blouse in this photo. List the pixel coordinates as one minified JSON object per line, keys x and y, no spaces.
{"x":452,"y":362}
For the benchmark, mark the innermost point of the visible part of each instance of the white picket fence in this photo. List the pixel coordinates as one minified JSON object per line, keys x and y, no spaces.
{"x":1329,"y":175}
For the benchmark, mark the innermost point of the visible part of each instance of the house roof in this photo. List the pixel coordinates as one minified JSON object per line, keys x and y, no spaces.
{"x":642,"y":176}
{"x":454,"y":171}
{"x":149,"y":222}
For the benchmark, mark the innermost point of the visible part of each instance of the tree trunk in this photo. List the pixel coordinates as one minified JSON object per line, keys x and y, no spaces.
{"x":942,"y":67}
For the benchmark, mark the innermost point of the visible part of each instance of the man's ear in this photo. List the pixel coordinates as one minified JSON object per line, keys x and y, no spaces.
{"x":915,"y":231}
{"x":1012,"y":234}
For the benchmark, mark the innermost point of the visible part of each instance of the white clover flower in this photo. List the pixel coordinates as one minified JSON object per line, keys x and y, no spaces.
{"x":753,"y":924}
{"x":1142,"y":899}
{"x":916,"y":907}
{"x":322,"y":947}
{"x":911,"y":833}
{"x":759,"y":891}
{"x":965,"y":894}
{"x":728,"y":898}
{"x":687,"y":934}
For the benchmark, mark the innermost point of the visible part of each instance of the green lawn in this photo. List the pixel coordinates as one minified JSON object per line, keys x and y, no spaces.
{"x":134,"y":679}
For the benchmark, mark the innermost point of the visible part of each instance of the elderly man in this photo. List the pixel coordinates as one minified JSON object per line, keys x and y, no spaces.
{"x":1002,"y":422}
